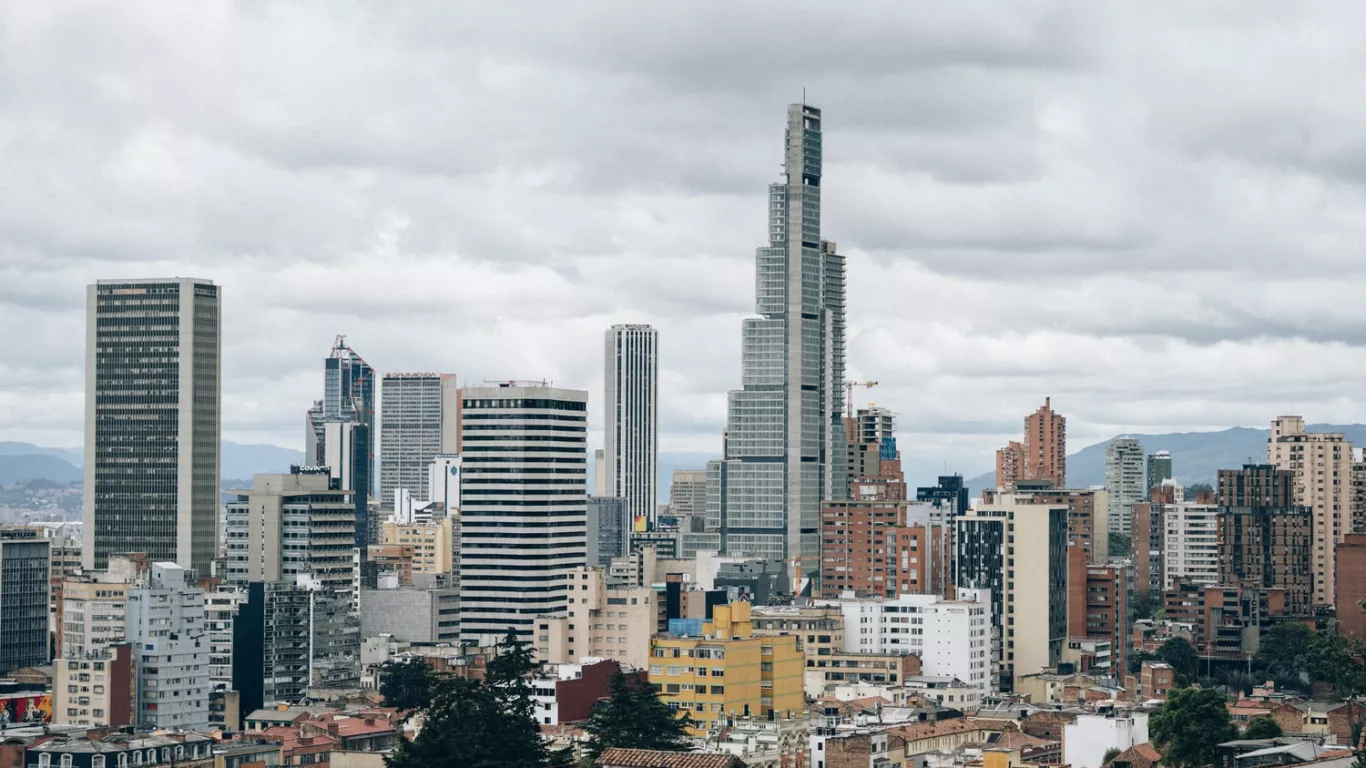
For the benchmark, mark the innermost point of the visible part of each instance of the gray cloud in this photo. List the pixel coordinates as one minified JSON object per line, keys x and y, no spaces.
{"x":1151,"y":212}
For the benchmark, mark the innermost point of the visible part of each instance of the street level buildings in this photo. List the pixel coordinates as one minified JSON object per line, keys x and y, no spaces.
{"x":631,"y":420}
{"x":417,"y":423}
{"x":153,"y":385}
{"x":523,"y":504}
{"x":784,"y":431}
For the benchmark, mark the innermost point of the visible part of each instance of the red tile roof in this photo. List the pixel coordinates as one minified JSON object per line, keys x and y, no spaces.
{"x":649,"y":758}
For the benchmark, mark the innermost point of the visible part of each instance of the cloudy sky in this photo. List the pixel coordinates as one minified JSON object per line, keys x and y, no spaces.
{"x":1153,"y":213}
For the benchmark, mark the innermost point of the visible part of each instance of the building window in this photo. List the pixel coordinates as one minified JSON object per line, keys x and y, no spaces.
{"x":44,"y":760}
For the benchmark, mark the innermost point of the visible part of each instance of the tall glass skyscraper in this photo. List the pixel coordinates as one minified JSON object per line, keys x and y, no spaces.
{"x":152,"y":392}
{"x":784,"y":448}
{"x":630,"y":426}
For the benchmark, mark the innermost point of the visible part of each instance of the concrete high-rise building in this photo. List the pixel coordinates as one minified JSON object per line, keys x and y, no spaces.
{"x":688,"y":493}
{"x":884,"y":548}
{"x":153,"y":385}
{"x":631,"y":420}
{"x":1358,"y":495}
{"x":784,"y":432}
{"x":1045,"y":445}
{"x":523,"y":504}
{"x":1264,"y":538}
{"x":1322,"y":463}
{"x":1087,"y":509}
{"x":874,"y":464}
{"x":1126,"y":482}
{"x":1190,"y":545}
{"x":1042,"y":455}
{"x":1159,"y":469}
{"x":1009,"y":465}
{"x":1350,"y":588}
{"x":1017,"y":549}
{"x":166,"y":627}
{"x":25,"y":593}
{"x":291,"y":525}
{"x":417,"y":424}
{"x":609,"y":530}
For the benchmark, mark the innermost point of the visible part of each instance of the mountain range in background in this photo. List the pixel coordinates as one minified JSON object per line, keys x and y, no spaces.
{"x":1196,"y":456}
{"x":20,"y":462}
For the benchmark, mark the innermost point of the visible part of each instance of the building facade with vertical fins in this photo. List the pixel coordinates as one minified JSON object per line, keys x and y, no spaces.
{"x":784,"y":447}
{"x":631,"y":423}
{"x":417,"y":424}
{"x":153,"y":386}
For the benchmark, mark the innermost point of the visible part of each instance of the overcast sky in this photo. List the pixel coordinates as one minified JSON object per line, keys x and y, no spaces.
{"x":1152,"y":212}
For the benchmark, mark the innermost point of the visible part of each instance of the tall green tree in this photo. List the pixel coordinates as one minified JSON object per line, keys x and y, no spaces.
{"x":407,"y":684}
{"x":634,"y":716}
{"x":481,"y":725}
{"x":1263,"y":728}
{"x":1179,"y":653}
{"x":1189,"y":726}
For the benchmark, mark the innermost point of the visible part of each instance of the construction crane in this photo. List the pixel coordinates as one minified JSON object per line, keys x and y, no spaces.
{"x":849,"y":390}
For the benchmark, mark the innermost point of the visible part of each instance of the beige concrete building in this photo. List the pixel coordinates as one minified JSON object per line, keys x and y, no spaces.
{"x":1322,"y":463}
{"x":92,"y":613}
{"x":95,"y":690}
{"x":608,"y":622}
{"x":1017,"y":549}
{"x":290,"y":525}
{"x":432,"y":543}
{"x":819,"y":628}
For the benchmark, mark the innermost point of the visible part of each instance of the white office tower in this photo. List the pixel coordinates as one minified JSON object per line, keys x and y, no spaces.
{"x":1126,"y":481}
{"x":443,"y":480}
{"x":166,"y":627}
{"x":152,"y":393}
{"x":1190,"y":544}
{"x":630,"y":424}
{"x":523,"y":495}
{"x":417,"y":422}
{"x":784,"y":435}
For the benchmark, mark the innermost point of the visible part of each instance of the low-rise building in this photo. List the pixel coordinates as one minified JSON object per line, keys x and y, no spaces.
{"x":1086,"y":740}
{"x":183,"y":750}
{"x":728,"y":671}
{"x":950,"y":637}
{"x":96,"y":690}
{"x":566,"y":693}
{"x":824,"y":672}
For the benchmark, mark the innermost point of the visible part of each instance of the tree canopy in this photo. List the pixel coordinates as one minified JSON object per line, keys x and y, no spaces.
{"x":407,"y":684}
{"x":1263,"y":728}
{"x":1189,"y":726}
{"x":487,"y":724}
{"x":1179,"y":653}
{"x":634,"y":716}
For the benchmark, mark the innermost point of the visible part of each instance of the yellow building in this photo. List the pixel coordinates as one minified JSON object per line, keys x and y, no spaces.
{"x":431,"y":542}
{"x":727,"y":670}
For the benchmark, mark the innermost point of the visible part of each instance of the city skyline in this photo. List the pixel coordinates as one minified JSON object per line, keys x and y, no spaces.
{"x":930,"y":154}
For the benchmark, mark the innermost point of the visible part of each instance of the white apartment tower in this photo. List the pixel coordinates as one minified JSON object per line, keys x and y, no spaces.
{"x":166,"y":627}
{"x":417,"y":424}
{"x":1322,"y":463}
{"x":1126,"y":482}
{"x":631,"y":420}
{"x":1190,"y":546}
{"x":523,"y":504}
{"x":152,"y":428}
{"x":784,"y":447}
